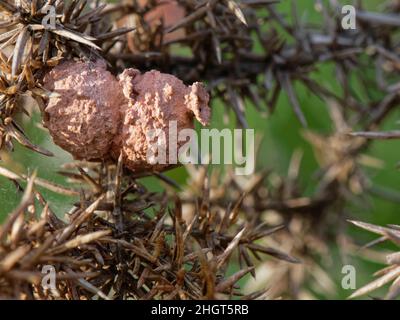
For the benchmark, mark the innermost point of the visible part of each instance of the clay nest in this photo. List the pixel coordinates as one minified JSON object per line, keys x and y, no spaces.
{"x":95,"y":116}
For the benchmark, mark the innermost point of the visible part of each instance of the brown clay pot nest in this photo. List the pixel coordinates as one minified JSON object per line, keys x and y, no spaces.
{"x":95,"y":115}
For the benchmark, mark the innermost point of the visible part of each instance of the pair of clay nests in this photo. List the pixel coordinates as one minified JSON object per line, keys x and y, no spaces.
{"x":97,"y":116}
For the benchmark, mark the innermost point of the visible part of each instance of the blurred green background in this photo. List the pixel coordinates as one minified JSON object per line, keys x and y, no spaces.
{"x":282,"y":135}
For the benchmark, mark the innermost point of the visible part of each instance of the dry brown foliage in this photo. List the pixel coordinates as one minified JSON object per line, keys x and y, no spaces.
{"x":123,"y":241}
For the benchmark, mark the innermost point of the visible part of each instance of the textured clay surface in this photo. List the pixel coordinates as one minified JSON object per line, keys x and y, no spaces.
{"x":155,"y":99}
{"x":85,"y":116}
{"x":98,"y":116}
